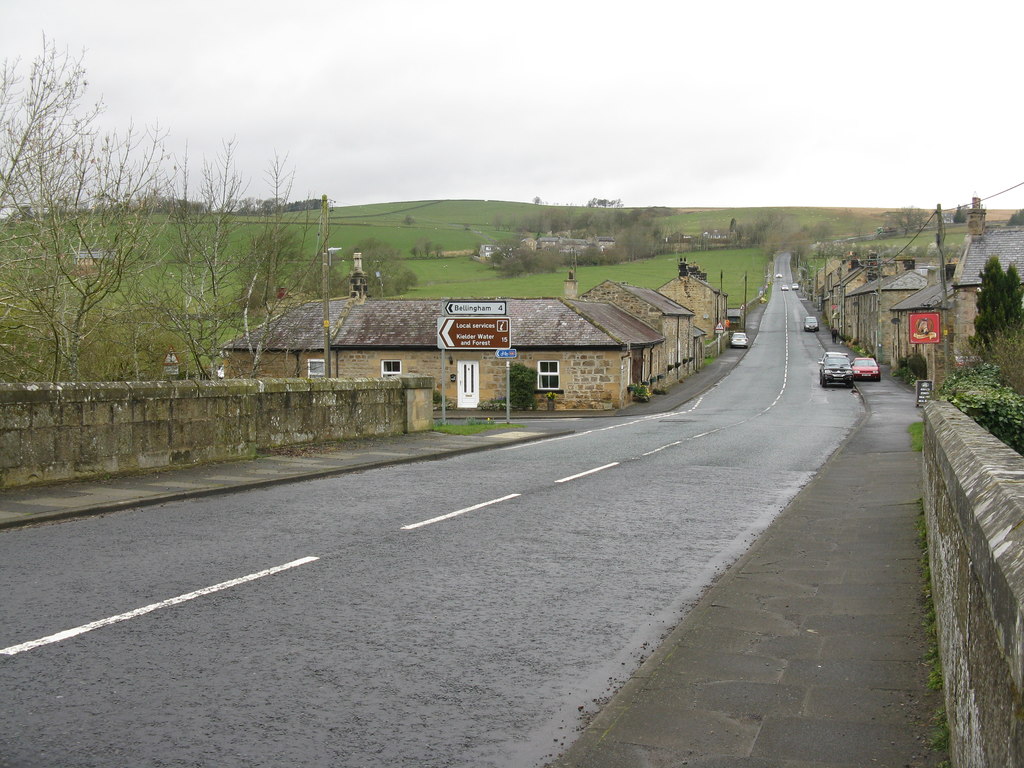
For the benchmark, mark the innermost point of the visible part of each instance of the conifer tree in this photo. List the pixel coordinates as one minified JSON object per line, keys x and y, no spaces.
{"x":1000,"y":303}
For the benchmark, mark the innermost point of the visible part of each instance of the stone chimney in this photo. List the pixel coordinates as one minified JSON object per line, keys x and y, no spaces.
{"x":683,"y":269}
{"x":357,"y":280}
{"x":976,"y":218}
{"x":572,"y":286}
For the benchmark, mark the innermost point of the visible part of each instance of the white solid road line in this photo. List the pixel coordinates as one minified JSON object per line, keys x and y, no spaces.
{"x":457,"y":512}
{"x":12,"y":650}
{"x":588,"y":472}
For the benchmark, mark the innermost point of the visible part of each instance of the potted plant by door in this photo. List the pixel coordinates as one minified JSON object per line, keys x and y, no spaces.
{"x":550,"y":397}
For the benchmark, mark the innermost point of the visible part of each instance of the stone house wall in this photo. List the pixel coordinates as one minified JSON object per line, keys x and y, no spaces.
{"x":590,"y":379}
{"x":708,"y":305}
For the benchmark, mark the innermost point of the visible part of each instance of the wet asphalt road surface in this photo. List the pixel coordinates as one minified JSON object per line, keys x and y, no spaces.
{"x":469,"y":612}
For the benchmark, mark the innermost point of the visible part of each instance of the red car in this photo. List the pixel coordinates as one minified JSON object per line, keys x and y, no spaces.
{"x":866,"y":368}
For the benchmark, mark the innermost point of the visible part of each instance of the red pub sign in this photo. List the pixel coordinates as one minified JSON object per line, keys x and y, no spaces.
{"x":925,"y":328}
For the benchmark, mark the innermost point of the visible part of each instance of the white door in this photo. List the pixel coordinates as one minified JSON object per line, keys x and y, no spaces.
{"x":469,"y":383}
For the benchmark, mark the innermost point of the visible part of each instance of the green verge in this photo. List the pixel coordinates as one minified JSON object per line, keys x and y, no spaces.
{"x":473,"y":427}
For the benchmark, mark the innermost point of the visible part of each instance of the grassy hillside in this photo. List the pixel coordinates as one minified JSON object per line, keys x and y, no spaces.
{"x":464,"y":278}
{"x":456,"y":227}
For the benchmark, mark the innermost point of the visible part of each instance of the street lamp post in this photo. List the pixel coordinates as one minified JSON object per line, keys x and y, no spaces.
{"x":325,"y":270}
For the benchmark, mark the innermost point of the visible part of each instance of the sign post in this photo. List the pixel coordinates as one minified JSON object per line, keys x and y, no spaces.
{"x":475,"y":329}
{"x":171,"y":364}
{"x":474,"y":333}
{"x":923,"y":392}
{"x":476,"y":308}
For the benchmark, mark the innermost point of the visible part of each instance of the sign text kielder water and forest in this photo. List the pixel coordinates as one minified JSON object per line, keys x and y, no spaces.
{"x":474,"y":333}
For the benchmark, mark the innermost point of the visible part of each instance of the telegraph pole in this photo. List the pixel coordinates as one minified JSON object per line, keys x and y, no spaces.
{"x":944,"y":320}
{"x":325,"y":274}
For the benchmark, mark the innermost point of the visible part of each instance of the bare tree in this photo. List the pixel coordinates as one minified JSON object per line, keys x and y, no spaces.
{"x":77,"y":216}
{"x":907,"y":219}
{"x":276,"y":269}
{"x":196,"y":286}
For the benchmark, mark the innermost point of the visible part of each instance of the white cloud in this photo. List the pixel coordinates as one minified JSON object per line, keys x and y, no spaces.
{"x":658,"y":103}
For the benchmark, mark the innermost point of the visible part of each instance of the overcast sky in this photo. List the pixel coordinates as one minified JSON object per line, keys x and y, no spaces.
{"x":675,"y":102}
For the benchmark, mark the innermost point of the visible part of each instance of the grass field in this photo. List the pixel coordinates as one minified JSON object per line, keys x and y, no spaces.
{"x":464,"y":278}
{"x":462,"y":225}
{"x":458,"y":227}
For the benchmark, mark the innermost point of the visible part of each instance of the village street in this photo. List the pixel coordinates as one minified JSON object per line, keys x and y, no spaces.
{"x":464,"y":612}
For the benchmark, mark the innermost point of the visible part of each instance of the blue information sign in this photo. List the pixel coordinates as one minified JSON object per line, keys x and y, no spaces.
{"x":504,"y":353}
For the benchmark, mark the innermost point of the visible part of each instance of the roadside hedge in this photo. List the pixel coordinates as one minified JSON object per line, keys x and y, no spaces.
{"x":979,"y":392}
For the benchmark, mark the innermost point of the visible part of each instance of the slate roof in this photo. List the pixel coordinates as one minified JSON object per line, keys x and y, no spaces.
{"x":390,"y":323}
{"x":616,"y":322}
{"x":659,"y":301}
{"x":299,"y":328}
{"x":904,"y":281}
{"x":928,"y":298}
{"x":1006,"y":243}
{"x":400,"y":323}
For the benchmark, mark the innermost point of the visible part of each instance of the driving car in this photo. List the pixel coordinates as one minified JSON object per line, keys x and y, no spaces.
{"x":836,"y":370}
{"x":739,"y":339}
{"x":810,"y":323}
{"x":785,"y":287}
{"x":866,"y":368}
{"x":779,"y":275}
{"x":796,"y":286}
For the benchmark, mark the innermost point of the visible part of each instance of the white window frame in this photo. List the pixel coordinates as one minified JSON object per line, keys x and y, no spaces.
{"x":385,"y":363}
{"x":312,"y":365}
{"x":545,"y":376}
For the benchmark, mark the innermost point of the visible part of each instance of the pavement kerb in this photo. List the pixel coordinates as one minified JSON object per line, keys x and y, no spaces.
{"x":688,"y":389}
{"x":622,"y":700}
{"x":475,"y":444}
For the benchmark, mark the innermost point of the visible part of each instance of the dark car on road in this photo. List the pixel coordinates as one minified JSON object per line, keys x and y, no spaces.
{"x":810,"y":323}
{"x":836,"y":370}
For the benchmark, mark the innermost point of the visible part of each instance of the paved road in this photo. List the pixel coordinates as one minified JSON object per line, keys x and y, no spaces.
{"x":468,"y":612}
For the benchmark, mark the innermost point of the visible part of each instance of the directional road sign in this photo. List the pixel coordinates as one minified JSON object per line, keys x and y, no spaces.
{"x":474,"y":333}
{"x":505,"y":352}
{"x":476,"y":308}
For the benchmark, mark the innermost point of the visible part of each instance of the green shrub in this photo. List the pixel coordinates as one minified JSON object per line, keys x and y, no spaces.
{"x":641,"y":393}
{"x":523,"y":384}
{"x":978,"y":392}
{"x":918,"y":366}
{"x":910,"y":369}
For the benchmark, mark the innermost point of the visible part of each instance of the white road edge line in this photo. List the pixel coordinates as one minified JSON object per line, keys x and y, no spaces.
{"x":457,"y":512}
{"x":68,"y":633}
{"x":588,"y":472}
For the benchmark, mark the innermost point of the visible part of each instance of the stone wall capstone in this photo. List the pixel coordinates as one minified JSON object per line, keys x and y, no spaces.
{"x":974,"y":510}
{"x":57,"y":432}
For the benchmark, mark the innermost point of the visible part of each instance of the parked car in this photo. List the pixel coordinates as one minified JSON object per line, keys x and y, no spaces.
{"x":810,"y":323}
{"x":739,"y":339}
{"x":837,"y":355}
{"x":796,"y":286}
{"x":836,"y":370}
{"x":866,"y":368}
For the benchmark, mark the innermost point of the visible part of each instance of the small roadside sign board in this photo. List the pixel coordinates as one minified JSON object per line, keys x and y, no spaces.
{"x":923,"y":389}
{"x":170,"y":364}
{"x":474,"y":333}
{"x":476,"y":308}
{"x":505,"y":353}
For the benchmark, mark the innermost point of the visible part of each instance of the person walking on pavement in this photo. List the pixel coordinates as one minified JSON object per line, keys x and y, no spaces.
{"x":835,"y":334}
